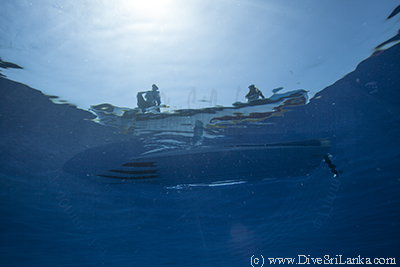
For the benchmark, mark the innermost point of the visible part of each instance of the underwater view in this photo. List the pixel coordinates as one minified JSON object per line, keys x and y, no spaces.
{"x":199,"y":133}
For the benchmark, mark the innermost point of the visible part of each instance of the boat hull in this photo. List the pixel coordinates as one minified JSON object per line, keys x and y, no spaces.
{"x":232,"y":162}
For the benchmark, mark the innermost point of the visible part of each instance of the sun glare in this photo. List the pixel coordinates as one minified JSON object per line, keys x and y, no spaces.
{"x":148,"y":9}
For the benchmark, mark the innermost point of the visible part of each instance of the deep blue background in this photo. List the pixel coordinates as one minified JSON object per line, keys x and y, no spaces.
{"x":54,"y":215}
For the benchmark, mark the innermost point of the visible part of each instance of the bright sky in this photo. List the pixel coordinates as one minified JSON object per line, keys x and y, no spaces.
{"x":97,"y":51}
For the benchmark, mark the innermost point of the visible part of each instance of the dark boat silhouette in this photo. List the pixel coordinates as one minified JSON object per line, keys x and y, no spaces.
{"x":218,"y":163}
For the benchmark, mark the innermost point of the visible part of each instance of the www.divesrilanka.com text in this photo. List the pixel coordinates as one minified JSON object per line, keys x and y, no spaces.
{"x":259,"y":261}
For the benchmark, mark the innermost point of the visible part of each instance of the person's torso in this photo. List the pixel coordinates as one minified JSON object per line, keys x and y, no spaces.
{"x":253,"y":95}
{"x":152,"y":96}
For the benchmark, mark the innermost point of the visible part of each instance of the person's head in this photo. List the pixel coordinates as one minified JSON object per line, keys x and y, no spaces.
{"x":154,"y":87}
{"x":252,"y":87}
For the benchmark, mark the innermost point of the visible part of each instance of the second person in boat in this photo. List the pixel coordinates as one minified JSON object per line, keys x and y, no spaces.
{"x":254,"y":93}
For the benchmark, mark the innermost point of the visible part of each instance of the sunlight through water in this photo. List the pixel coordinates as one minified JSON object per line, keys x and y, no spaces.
{"x":92,"y":52}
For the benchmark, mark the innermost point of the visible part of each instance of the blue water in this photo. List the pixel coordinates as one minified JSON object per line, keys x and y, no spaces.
{"x":53,"y":214}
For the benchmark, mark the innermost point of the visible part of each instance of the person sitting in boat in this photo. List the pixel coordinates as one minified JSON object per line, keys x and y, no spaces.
{"x":152,"y":98}
{"x":254,"y":93}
